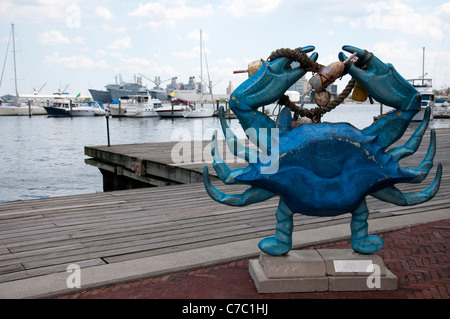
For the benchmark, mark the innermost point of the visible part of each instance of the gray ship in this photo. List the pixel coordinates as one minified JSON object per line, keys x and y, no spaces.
{"x":118,"y":90}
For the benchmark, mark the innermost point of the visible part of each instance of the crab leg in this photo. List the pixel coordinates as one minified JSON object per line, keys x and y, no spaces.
{"x":224,"y":173}
{"x":414,"y":141}
{"x":250,"y":196}
{"x":394,"y":195}
{"x":391,"y":127}
{"x":233,"y":143}
{"x":281,"y":243}
{"x":361,"y":241}
{"x":424,"y":168}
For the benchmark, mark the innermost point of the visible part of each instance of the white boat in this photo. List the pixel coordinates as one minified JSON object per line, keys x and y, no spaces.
{"x":194,"y":91}
{"x":68,"y":109}
{"x":198,"y":112}
{"x":425,"y":88}
{"x":143,"y":106}
{"x":16,"y":107}
{"x":441,"y":109}
{"x":22,"y":109}
{"x":177,"y":110}
{"x":118,"y":108}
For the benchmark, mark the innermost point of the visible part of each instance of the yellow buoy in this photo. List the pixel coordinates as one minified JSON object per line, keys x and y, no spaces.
{"x":359,"y":93}
{"x":252,"y":68}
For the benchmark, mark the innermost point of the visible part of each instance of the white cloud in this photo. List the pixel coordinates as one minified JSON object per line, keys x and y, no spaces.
{"x":104,"y":12}
{"x":399,"y":49}
{"x":186,"y":54}
{"x":74,"y":62}
{"x":134,"y":65}
{"x":339,"y":19}
{"x":396,"y":15}
{"x":116,"y":54}
{"x":410,"y":17}
{"x":108,"y":28}
{"x":193,"y":53}
{"x":224,"y":67}
{"x":444,"y":11}
{"x":242,"y":8}
{"x":35,"y":10}
{"x":123,"y":43}
{"x":195,"y":36}
{"x":56,"y":37}
{"x":79,"y":40}
{"x":53,"y":37}
{"x":101,"y":52}
{"x":408,"y":60}
{"x":169,"y":13}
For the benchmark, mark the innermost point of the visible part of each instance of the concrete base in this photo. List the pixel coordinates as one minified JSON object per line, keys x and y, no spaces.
{"x":321,"y":270}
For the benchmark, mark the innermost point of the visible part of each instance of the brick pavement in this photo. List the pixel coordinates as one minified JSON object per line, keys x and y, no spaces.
{"x":418,"y":256}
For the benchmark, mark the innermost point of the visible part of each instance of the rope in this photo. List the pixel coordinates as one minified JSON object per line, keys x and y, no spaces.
{"x":316,"y":113}
{"x":307,"y":65}
{"x":299,"y":56}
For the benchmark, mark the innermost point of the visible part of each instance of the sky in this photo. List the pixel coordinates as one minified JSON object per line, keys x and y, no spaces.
{"x":81,"y":44}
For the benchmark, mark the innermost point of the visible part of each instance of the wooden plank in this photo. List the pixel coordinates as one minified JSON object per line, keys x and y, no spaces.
{"x":14,"y":267}
{"x":63,"y":209}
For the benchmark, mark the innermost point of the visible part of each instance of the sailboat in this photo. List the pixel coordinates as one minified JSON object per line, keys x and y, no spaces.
{"x":15,"y":107}
{"x":425,"y":88}
{"x":196,"y":112}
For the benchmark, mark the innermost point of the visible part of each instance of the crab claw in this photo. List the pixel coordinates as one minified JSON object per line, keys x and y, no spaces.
{"x":382,"y":81}
{"x":269,"y":83}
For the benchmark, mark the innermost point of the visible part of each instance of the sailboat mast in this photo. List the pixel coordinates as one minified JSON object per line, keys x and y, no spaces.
{"x":423,"y":67}
{"x":201,"y":63}
{"x":14,"y":55}
{"x":6,"y":57}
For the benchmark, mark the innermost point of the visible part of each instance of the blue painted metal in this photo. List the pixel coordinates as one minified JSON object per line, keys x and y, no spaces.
{"x":323,"y":169}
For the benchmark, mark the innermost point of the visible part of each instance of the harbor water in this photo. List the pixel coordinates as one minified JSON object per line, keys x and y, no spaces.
{"x":44,"y":157}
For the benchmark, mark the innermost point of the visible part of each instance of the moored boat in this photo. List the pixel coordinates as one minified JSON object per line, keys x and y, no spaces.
{"x":198,"y":112}
{"x":22,"y":109}
{"x":176,"y":109}
{"x":143,"y":106}
{"x":118,"y":108}
{"x":68,"y":109}
{"x":425,"y":88}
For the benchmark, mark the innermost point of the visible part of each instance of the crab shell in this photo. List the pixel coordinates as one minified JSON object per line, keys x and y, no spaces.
{"x":326,"y":169}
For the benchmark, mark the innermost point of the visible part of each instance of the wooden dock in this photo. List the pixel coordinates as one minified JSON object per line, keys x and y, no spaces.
{"x":43,"y":236}
{"x":155,"y":164}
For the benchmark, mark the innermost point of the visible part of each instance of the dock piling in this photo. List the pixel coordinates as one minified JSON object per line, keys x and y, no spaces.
{"x":107,"y":129}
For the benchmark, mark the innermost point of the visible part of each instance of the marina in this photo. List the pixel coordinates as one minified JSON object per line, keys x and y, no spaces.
{"x":41,"y":237}
{"x":45,"y":156}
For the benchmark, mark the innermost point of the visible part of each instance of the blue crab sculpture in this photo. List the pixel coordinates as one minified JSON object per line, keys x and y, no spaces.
{"x":323,"y":169}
